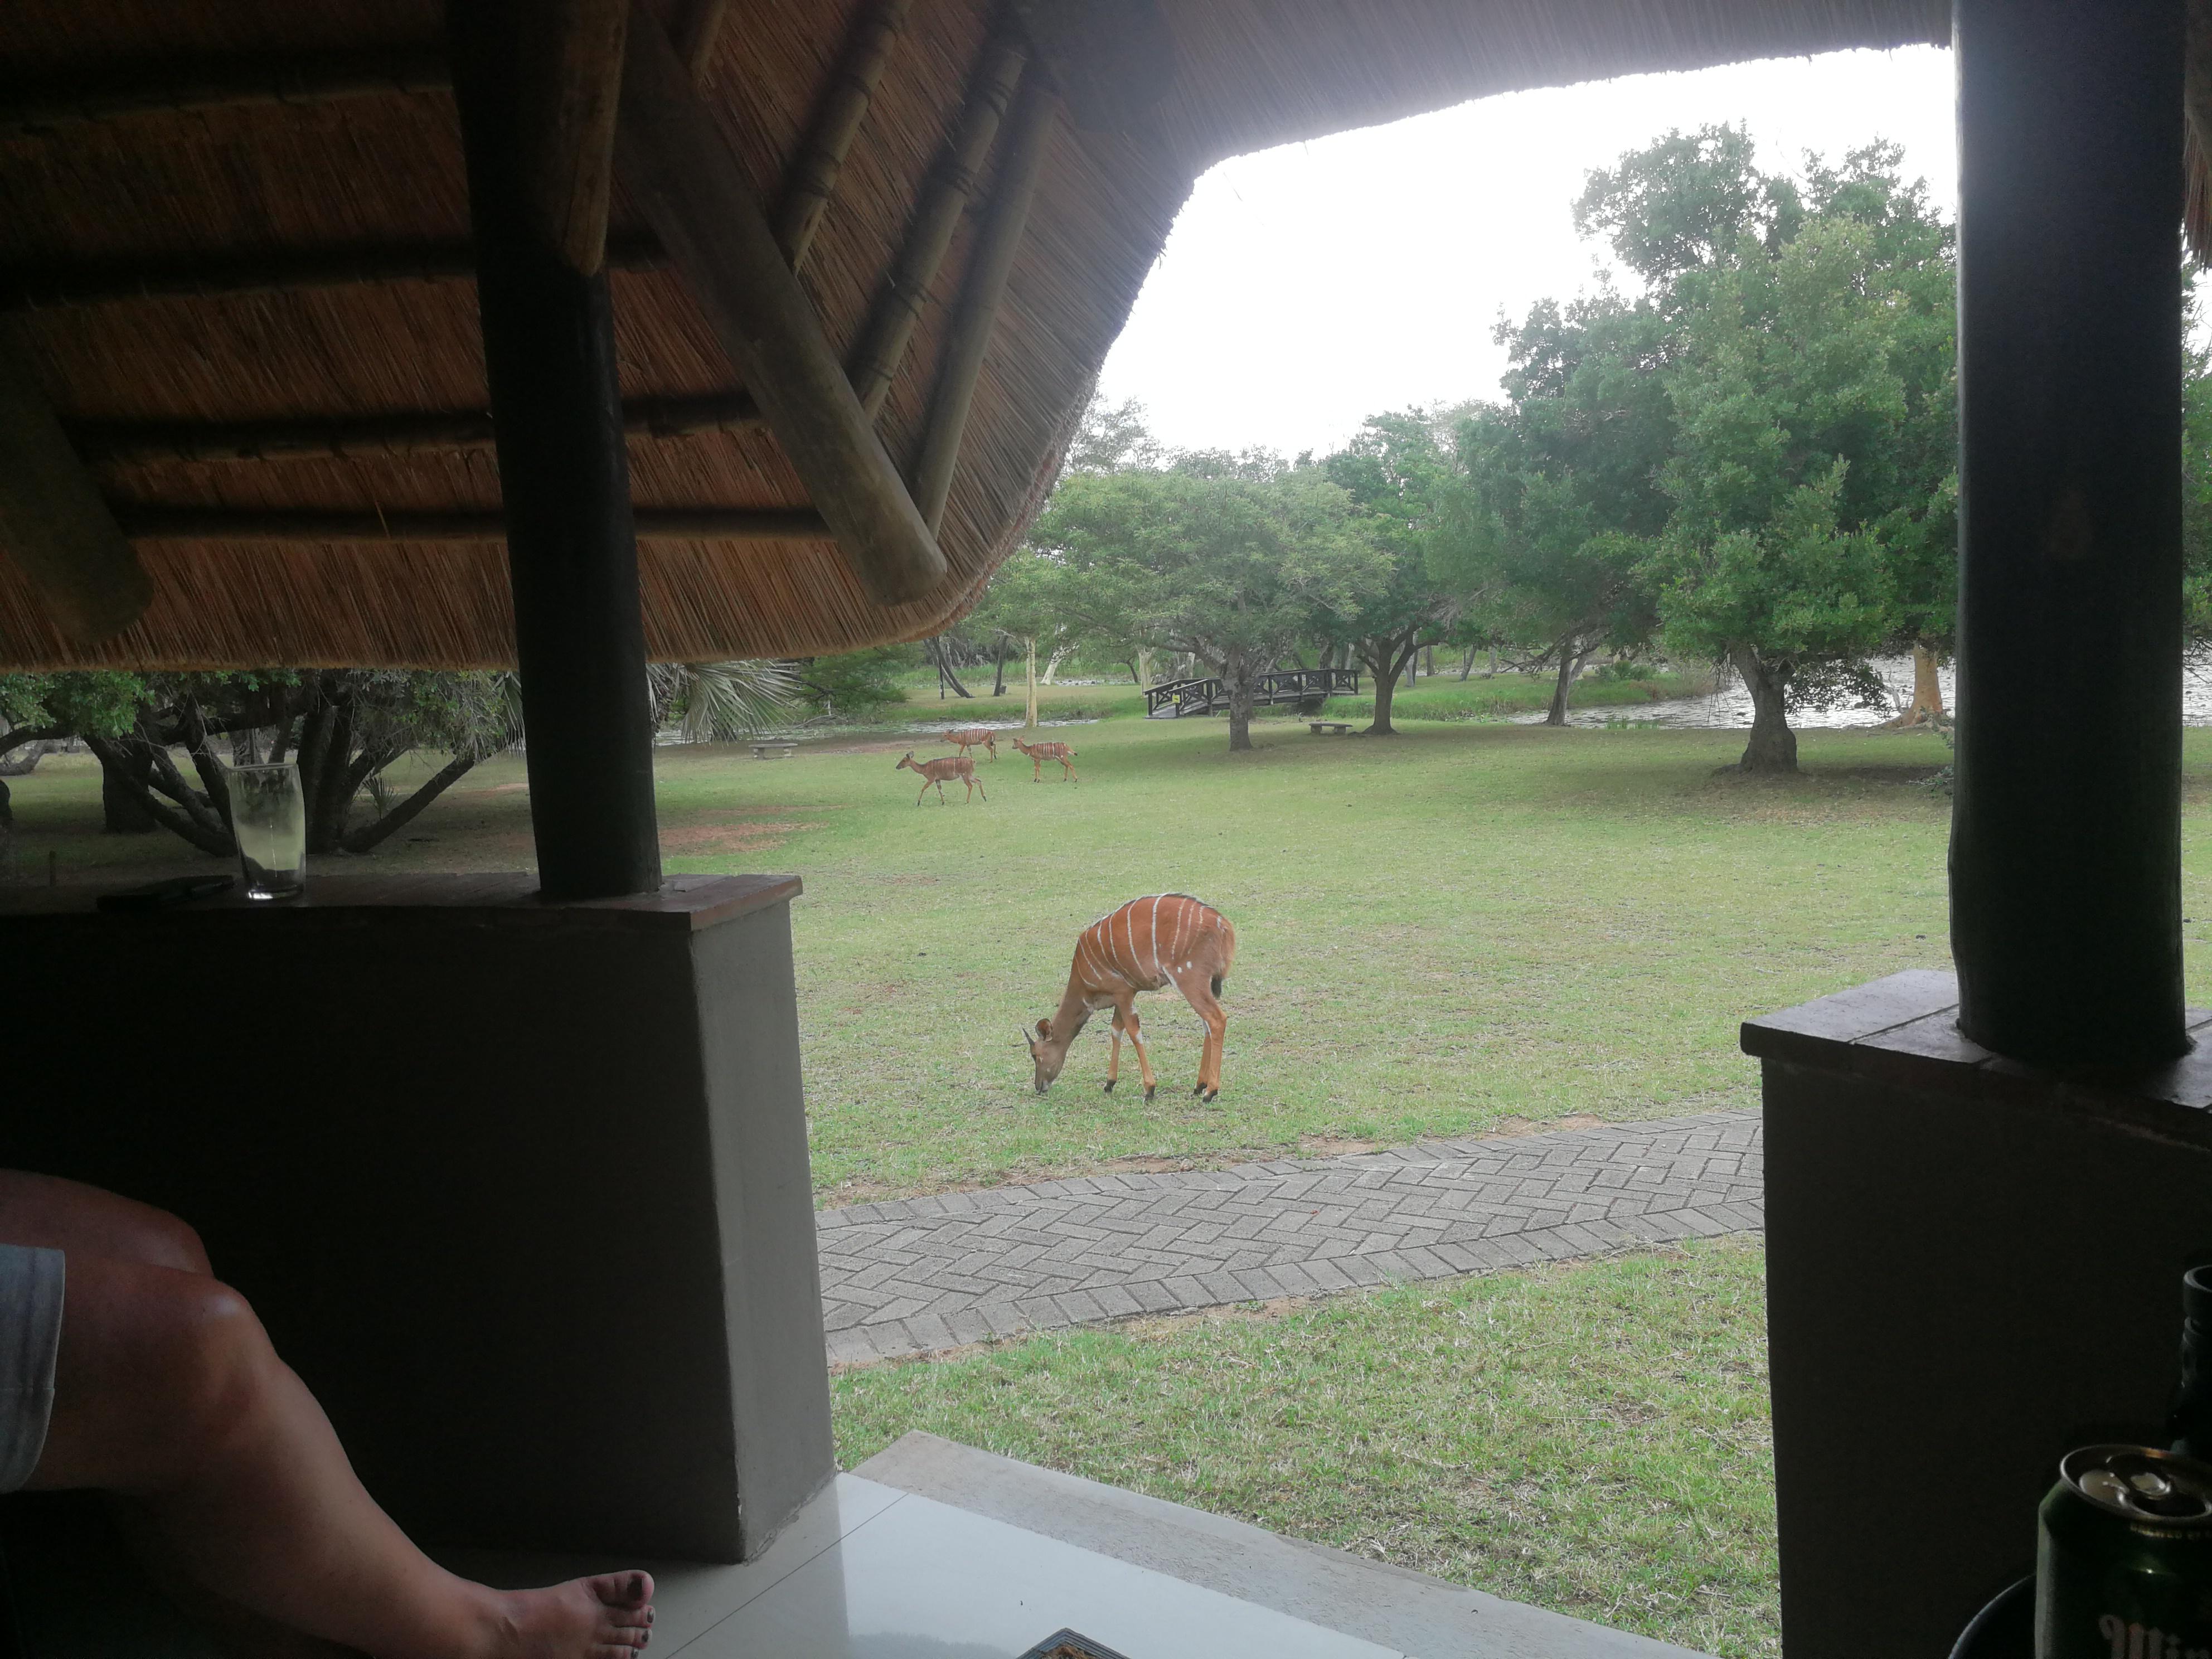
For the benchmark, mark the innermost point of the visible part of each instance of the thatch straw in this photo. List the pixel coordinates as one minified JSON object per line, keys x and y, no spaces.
{"x":246,"y":187}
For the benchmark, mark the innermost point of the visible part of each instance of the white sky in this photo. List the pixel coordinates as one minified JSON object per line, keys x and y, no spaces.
{"x":1306,"y":288}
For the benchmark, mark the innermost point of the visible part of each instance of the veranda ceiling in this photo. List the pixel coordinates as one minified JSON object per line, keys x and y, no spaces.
{"x":254,"y":319}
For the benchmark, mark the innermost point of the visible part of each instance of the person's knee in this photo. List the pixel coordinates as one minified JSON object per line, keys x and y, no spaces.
{"x":162,"y":1240}
{"x":215,"y":1368}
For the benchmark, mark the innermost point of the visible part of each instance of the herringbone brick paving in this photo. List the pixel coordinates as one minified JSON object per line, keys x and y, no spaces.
{"x":922,"y":1273}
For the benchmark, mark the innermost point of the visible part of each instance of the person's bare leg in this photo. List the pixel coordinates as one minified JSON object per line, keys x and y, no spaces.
{"x":79,"y":1220}
{"x":168,"y":1392}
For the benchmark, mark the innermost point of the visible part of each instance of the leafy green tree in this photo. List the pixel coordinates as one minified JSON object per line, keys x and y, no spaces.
{"x":1555,"y":503}
{"x":1228,"y":558}
{"x":1393,"y":471}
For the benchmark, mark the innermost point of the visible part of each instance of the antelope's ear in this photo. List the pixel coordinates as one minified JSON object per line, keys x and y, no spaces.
{"x":1044,"y":1028}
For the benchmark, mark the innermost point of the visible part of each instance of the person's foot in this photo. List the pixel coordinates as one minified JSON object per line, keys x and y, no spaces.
{"x":607,"y":1617}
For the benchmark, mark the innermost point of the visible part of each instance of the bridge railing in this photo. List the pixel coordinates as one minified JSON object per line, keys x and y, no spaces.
{"x":1174,"y":698}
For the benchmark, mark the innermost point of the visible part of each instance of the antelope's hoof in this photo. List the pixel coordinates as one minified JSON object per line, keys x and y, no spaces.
{"x":1200,"y":1090}
{"x":1110,"y":1082}
{"x":1148,"y":1091}
{"x":1212,"y":1095}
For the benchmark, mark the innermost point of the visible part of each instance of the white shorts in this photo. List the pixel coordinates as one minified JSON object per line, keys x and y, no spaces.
{"x":30,"y":1341}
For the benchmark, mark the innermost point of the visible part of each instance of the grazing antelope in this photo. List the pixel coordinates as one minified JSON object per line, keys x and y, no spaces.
{"x":1039,"y":753}
{"x":975,"y":737}
{"x":936,"y":772}
{"x":1147,"y":944}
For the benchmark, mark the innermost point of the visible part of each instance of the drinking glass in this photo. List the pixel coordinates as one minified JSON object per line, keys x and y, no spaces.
{"x":269,"y":816}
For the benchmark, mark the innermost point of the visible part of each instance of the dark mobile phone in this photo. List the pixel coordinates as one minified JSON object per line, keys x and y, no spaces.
{"x":162,"y":894}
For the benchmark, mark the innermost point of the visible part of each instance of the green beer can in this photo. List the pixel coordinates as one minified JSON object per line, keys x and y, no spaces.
{"x":2124,"y":1562}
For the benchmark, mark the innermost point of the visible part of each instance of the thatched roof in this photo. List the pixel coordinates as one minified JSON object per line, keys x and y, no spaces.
{"x":175,"y":275}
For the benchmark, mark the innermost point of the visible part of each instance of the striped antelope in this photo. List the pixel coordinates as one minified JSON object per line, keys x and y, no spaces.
{"x":1039,"y":753}
{"x":936,"y":772}
{"x":1147,"y":944}
{"x":975,"y":737}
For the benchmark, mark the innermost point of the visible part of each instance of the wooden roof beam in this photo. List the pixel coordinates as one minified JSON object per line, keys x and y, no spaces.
{"x":1029,"y":132}
{"x":836,"y":121}
{"x":570,"y":96}
{"x":53,"y":522}
{"x":676,"y":165}
{"x":351,"y":527}
{"x":163,"y":90}
{"x":413,"y":432}
{"x":952,"y":186}
{"x":31,"y":288}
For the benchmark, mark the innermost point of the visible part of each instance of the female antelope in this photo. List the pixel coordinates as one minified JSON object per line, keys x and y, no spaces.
{"x":1039,"y":753}
{"x":936,"y":772}
{"x":1147,"y":944}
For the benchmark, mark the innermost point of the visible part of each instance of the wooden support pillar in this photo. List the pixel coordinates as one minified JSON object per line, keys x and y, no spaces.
{"x":2065,"y":841}
{"x":564,"y":476}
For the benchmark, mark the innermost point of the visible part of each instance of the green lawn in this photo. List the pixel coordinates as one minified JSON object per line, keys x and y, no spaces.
{"x":1593,"y":1438}
{"x":1470,"y":926}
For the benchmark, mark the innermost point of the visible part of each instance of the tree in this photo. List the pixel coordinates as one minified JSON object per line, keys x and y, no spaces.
{"x":1554,"y":502}
{"x":1030,"y":600}
{"x":1392,"y":471}
{"x":1228,"y":558}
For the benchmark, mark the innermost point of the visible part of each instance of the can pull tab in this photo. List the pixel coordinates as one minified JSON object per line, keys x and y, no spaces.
{"x":2140,"y":1488}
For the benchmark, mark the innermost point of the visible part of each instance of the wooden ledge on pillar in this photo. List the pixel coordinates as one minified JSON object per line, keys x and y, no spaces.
{"x":446,"y":1135}
{"x":683,"y":903}
{"x":1972,"y":1267}
{"x":1904,"y":1030}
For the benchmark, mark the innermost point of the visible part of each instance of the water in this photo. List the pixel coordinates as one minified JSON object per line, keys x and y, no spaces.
{"x":1728,"y":708}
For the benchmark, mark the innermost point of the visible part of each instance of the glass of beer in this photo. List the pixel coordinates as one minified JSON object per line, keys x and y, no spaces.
{"x":269,"y":816}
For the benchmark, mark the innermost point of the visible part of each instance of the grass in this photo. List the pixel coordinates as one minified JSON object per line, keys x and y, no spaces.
{"x":1470,"y":928}
{"x":1592,"y":1438}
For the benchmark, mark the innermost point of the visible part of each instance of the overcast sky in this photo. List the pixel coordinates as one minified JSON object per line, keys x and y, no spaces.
{"x":1306,"y":288}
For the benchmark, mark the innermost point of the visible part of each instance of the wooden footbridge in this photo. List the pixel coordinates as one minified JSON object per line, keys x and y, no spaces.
{"x":1305,"y":688}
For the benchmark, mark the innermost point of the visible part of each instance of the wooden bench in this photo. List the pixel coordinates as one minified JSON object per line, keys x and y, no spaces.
{"x":1340,"y":728}
{"x":774,"y":749}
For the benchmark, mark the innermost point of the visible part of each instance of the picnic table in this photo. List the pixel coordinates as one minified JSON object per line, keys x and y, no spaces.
{"x":775,"y":749}
{"x":1340,"y":728}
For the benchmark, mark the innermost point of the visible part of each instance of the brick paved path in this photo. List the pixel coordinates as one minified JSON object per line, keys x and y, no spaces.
{"x":919,"y":1274}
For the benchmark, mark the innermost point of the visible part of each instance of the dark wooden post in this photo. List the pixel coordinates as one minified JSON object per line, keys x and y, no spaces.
{"x":564,"y":476}
{"x":2065,"y":839}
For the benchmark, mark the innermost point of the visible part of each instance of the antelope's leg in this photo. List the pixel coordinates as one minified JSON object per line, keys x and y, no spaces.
{"x":1114,"y":1059}
{"x":1197,"y":991}
{"x":1143,"y":1060}
{"x":1071,"y":772}
{"x":979,"y":789}
{"x":924,"y":790}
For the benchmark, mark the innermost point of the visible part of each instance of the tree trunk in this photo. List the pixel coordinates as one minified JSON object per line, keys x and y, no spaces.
{"x":1467,"y":665}
{"x":1927,"y":687}
{"x":1238,"y":676}
{"x":1032,"y":715}
{"x":1144,"y":666}
{"x":943,"y":658}
{"x":1572,"y":656}
{"x":1386,"y":693}
{"x":361,"y":840}
{"x":125,"y":772}
{"x":1052,"y":665}
{"x":999,"y":670}
{"x":1773,"y":745}
{"x":1493,"y":674}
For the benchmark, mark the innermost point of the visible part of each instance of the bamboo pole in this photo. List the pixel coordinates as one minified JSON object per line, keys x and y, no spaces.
{"x":844,"y":105}
{"x":31,"y":287}
{"x":53,"y":523}
{"x":409,"y":432}
{"x":330,"y":78}
{"x":143,"y":523}
{"x":678,"y":168}
{"x":1029,"y":132}
{"x":952,"y":184}
{"x":703,"y":30}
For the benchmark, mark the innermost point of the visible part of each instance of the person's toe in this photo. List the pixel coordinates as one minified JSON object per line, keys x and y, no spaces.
{"x":624,"y":1590}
